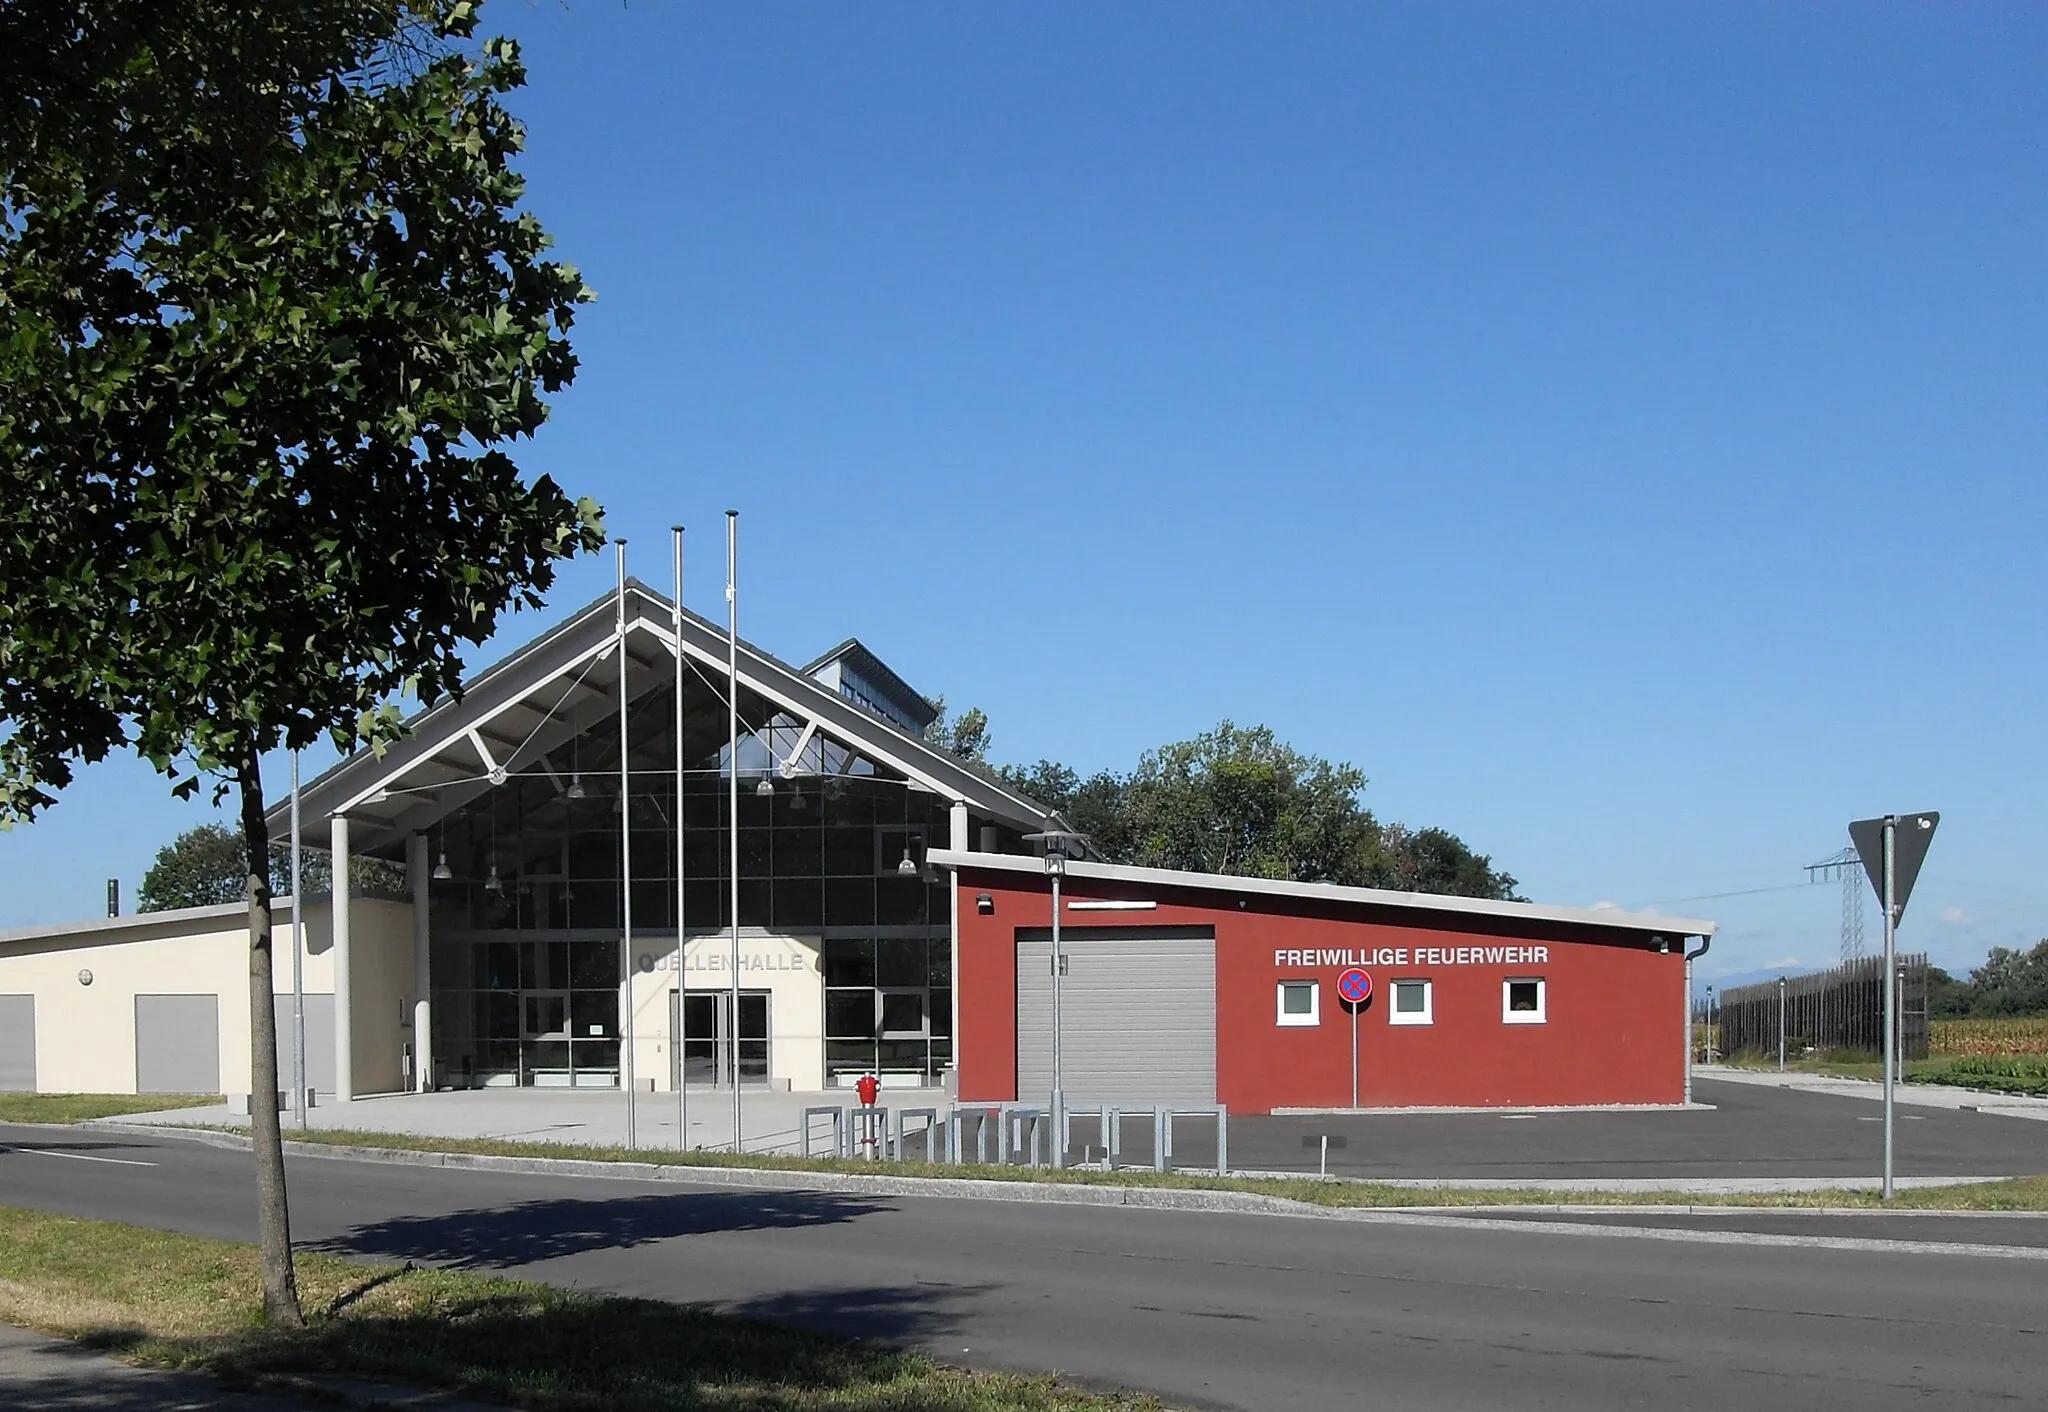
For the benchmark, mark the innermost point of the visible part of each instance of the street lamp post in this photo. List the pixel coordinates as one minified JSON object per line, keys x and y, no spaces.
{"x":1056,"y":869}
{"x":1781,"y":1024}
{"x":1059,"y":846}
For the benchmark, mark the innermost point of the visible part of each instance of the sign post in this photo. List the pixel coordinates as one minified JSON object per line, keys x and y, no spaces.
{"x":1356,"y":988}
{"x":1892,"y":849}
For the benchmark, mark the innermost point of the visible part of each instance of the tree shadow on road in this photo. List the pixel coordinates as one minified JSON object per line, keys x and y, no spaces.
{"x":501,"y":1238}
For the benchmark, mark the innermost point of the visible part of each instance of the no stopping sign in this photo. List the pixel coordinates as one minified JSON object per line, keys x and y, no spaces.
{"x":1355,"y":986}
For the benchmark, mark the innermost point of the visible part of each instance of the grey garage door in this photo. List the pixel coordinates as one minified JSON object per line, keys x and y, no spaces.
{"x":1138,"y":1022}
{"x":18,"y":1043}
{"x":319,"y":1042}
{"x":177,"y":1044}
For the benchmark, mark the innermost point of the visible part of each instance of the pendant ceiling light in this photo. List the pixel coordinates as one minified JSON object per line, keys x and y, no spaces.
{"x":442,"y":872}
{"x":796,"y":800}
{"x":576,"y":789}
{"x":766,"y":788}
{"x":908,"y":867}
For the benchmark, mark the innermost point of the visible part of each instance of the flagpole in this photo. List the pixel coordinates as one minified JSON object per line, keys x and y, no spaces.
{"x":299,"y":963}
{"x":626,"y":863}
{"x":732,"y":716}
{"x":682,"y":977}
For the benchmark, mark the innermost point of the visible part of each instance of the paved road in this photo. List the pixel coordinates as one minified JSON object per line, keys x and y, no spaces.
{"x":1235,"y":1311}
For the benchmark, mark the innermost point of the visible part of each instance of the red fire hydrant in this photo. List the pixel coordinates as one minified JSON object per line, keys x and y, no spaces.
{"x":868,"y":1087}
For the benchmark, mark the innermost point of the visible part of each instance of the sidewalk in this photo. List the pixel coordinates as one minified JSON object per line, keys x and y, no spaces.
{"x":770,"y":1119}
{"x":2006,"y":1105}
{"x":39,"y":1373}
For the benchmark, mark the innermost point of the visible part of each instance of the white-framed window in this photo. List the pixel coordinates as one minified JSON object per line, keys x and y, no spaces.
{"x":1523,"y":1000}
{"x":1414,"y":1003}
{"x":1299,"y":1003}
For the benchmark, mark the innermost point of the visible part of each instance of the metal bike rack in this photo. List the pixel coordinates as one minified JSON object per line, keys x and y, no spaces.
{"x":929,"y":1128}
{"x":838,"y":1117}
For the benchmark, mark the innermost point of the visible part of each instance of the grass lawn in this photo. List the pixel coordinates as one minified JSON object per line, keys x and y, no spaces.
{"x":2015,"y":1194}
{"x":177,"y":1301}
{"x":77,"y":1107}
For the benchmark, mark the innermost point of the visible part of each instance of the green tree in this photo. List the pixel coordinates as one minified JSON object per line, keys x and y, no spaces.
{"x":965,"y":735}
{"x":1239,"y":800}
{"x":207,"y":866}
{"x":2011,"y":982}
{"x":272,"y":315}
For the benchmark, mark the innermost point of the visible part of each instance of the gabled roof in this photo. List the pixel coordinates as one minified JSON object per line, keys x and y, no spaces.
{"x":566,"y":680}
{"x":1608,"y":917}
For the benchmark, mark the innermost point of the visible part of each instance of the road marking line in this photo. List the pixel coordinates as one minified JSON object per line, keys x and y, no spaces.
{"x":78,"y":1156}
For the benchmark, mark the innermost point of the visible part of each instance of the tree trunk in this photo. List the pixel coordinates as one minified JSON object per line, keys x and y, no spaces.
{"x":273,"y":1214}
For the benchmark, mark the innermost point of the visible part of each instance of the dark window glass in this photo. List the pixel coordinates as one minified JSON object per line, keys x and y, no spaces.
{"x":849,"y":1056}
{"x":501,"y":966}
{"x":593,"y":904}
{"x":755,"y":852}
{"x":852,"y":808}
{"x":551,"y":960}
{"x":849,"y":852}
{"x":850,"y":1014}
{"x":900,"y":962}
{"x":938,"y":969}
{"x":900,"y":1055}
{"x":704,"y":854}
{"x":799,"y":902}
{"x":593,"y":964}
{"x":899,"y":902}
{"x":600,"y":1054}
{"x":753,"y":902}
{"x":654,"y":854}
{"x":850,"y":902}
{"x":796,"y":853}
{"x":849,"y":961}
{"x":942,"y":1012}
{"x":594,"y":1013}
{"x":1524,"y":995}
{"x":497,"y":910}
{"x":704,"y":905}
{"x":501,"y":1015}
{"x":654,"y":903}
{"x":593,"y":855}
{"x":903,"y":1012}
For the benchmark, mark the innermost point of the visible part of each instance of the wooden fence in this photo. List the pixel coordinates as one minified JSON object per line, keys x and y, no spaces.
{"x":1841,"y":1010}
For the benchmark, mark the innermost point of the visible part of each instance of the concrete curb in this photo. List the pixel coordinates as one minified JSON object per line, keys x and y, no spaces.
{"x":1046,"y":1193}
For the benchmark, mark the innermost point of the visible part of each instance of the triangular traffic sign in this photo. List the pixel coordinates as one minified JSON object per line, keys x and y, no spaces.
{"x":1913,"y":832}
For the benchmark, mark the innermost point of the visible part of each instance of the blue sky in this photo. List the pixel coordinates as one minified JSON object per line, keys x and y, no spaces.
{"x":1618,"y":429}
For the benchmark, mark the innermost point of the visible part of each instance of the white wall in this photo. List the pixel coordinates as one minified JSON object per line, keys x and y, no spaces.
{"x":784,"y":966}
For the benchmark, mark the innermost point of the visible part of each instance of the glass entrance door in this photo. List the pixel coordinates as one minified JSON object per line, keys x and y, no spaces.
{"x":544,"y":1038}
{"x":710,"y":1050}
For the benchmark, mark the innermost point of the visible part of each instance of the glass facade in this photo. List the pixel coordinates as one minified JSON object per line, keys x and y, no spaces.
{"x":526,"y":957}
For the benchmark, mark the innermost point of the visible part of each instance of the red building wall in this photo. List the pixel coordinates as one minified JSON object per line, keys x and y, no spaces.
{"x":1613,"y":1032}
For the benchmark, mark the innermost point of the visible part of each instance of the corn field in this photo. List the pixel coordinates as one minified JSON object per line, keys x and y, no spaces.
{"x":1988,"y":1038}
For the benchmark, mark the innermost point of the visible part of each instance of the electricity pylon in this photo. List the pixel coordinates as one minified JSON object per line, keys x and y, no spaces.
{"x":1845,"y":867}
